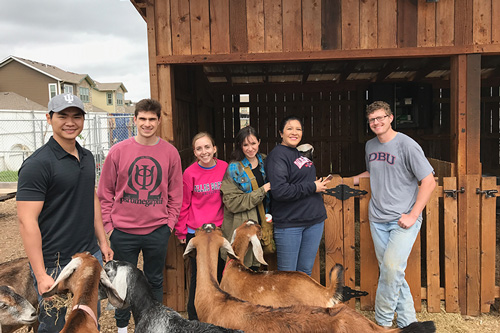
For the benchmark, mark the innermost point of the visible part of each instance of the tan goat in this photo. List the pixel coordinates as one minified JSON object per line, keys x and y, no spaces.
{"x":18,"y":297}
{"x":217,"y":307}
{"x":82,"y":276}
{"x":274,"y":288}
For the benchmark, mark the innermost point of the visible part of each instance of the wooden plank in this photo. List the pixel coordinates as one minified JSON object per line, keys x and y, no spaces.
{"x":473,"y":125}
{"x":163,"y":29}
{"x":413,"y":273}
{"x":407,"y":23}
{"x":350,"y":24}
{"x":368,"y":34}
{"x":387,"y":23}
{"x":331,"y":24}
{"x":445,"y":32}
{"x":152,"y":56}
{"x":273,"y":36}
{"x":348,"y":212}
{"x":463,"y":22}
{"x":327,"y":55}
{"x":473,"y":246}
{"x":426,"y":28}
{"x":334,"y":229}
{"x":181,"y":30}
{"x":488,"y":243}
{"x":311,"y":25}
{"x":165,"y":97}
{"x":368,"y":264}
{"x":495,"y":24}
{"x":292,"y":25}
{"x":200,"y":26}
{"x":481,"y":13}
{"x":255,"y":25}
{"x":238,"y":26}
{"x":432,"y":253}
{"x":174,"y":288}
{"x":219,"y":26}
{"x":450,"y":247}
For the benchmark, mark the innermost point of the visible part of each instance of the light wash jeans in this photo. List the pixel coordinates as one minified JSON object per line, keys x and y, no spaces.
{"x":296,"y":247}
{"x":52,"y":320}
{"x":393,"y":245}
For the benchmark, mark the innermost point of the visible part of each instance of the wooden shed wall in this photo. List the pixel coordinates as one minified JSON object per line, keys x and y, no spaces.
{"x":214,"y":27}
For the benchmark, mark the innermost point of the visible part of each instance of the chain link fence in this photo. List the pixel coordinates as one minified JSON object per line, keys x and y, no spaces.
{"x":23,"y":132}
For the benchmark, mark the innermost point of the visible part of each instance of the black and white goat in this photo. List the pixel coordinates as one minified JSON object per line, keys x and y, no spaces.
{"x":149,"y":314}
{"x":18,"y":297}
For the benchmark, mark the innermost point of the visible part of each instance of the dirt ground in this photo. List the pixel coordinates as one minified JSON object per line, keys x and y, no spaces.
{"x":11,"y":248}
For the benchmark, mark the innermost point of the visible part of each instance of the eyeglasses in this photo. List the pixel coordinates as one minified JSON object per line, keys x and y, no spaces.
{"x":378,"y":119}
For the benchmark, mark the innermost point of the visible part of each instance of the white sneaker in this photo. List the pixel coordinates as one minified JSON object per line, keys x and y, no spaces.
{"x":122,"y":329}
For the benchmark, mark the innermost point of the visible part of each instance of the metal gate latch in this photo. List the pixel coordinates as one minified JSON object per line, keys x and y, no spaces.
{"x":453,"y":193}
{"x":489,"y":193}
{"x":344,"y":192}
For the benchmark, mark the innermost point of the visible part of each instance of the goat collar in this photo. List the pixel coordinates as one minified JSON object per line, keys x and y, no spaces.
{"x":88,"y":310}
{"x":227,"y":264}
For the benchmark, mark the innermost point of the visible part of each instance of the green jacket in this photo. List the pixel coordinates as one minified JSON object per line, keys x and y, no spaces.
{"x":239,"y":207}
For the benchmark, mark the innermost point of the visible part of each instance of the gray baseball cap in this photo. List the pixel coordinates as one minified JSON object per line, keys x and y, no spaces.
{"x":64,"y":101}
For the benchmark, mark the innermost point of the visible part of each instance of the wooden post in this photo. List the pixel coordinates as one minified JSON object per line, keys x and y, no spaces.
{"x":465,"y":83}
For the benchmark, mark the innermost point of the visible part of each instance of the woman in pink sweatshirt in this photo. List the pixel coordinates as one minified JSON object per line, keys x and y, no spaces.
{"x":201,"y":201}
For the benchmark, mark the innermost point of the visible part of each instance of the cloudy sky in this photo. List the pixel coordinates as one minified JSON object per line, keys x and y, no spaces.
{"x":105,"y":39}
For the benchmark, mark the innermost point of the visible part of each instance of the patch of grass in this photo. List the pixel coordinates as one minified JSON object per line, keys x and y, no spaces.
{"x":8,"y":176}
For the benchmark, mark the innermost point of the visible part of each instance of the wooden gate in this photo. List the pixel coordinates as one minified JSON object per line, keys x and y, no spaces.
{"x":432,"y":271}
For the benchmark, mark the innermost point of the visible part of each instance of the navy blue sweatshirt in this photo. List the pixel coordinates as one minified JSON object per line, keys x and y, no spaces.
{"x":294,"y":201}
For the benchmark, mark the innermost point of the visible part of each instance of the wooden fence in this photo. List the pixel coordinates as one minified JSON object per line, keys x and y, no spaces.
{"x":433,"y":266}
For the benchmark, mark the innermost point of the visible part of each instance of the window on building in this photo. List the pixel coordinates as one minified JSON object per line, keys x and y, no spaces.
{"x":52,"y":90}
{"x":119,"y":99}
{"x":68,"y":89}
{"x":84,"y":95}
{"x":109,"y":98}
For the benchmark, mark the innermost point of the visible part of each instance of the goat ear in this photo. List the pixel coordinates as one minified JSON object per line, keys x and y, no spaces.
{"x":190,"y":250}
{"x":234,"y":236}
{"x":110,"y":291}
{"x":67,"y":271}
{"x":227,"y":246}
{"x":257,"y":249}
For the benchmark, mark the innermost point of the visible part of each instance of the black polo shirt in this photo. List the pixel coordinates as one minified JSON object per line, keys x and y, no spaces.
{"x":66,"y":186}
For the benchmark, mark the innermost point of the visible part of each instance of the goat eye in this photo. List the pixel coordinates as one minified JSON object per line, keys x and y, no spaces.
{"x":3,"y":305}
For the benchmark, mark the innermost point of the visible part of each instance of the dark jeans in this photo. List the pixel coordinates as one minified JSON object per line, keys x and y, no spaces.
{"x":154,"y":252}
{"x":52,"y":321}
{"x":191,"y":310}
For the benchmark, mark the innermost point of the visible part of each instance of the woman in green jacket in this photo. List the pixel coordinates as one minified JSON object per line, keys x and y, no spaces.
{"x":240,"y":198}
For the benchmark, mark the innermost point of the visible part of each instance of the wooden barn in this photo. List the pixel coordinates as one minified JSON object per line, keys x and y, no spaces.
{"x":218,"y":65}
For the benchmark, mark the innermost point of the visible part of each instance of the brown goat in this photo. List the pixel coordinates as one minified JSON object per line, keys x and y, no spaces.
{"x":18,"y":297}
{"x":274,"y":288}
{"x":217,"y":307}
{"x":82,"y":276}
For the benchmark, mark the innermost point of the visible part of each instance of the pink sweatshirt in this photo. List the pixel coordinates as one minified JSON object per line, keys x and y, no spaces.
{"x":202,"y":199}
{"x":140,"y":188}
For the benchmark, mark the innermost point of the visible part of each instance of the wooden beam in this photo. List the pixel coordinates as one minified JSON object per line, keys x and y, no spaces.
{"x":153,"y":70}
{"x":473,"y":126}
{"x":326,"y":55}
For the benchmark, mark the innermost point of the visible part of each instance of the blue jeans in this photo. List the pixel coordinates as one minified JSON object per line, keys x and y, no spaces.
{"x":154,"y":252}
{"x":52,"y":321}
{"x":393,"y":245}
{"x":296,"y":247}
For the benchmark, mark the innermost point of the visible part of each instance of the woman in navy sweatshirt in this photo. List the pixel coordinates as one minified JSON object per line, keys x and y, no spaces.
{"x":296,"y":202}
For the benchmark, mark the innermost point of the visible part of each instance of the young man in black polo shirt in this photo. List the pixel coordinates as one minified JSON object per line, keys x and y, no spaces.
{"x":58,"y":210}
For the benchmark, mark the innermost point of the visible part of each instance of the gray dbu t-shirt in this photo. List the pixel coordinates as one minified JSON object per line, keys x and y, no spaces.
{"x":395,"y":169}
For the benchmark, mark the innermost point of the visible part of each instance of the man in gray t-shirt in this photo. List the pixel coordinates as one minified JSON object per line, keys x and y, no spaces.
{"x":395,"y":164}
